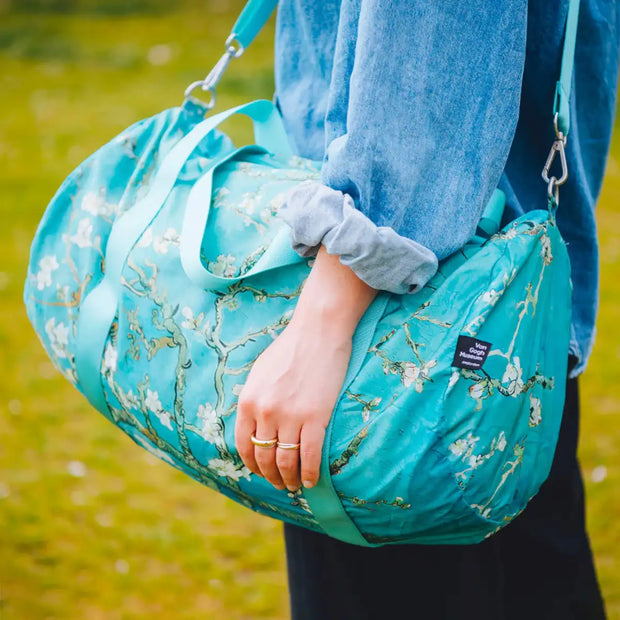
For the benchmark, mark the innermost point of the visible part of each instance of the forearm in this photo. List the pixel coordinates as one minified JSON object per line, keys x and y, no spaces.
{"x":333,"y":297}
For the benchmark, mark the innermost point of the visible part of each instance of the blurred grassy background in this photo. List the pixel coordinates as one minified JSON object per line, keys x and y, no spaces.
{"x":91,"y":526}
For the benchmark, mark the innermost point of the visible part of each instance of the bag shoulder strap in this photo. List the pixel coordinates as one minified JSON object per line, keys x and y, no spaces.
{"x":563,"y":87}
{"x":256,"y":13}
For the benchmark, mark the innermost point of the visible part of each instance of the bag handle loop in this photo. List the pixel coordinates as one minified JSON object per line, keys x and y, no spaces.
{"x":100,"y":304}
{"x":278,"y":253}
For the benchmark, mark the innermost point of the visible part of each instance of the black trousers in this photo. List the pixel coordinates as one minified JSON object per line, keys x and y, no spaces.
{"x":538,"y":567}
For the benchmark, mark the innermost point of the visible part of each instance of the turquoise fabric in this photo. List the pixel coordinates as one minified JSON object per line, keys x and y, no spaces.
{"x":161,"y":269}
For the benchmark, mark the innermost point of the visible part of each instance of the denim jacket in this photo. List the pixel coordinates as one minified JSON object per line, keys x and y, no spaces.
{"x":419,"y":109}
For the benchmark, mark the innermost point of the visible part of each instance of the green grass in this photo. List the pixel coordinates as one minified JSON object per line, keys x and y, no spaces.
{"x":91,"y":526}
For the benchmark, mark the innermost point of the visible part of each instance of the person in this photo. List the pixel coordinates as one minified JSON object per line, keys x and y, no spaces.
{"x":418,"y":110}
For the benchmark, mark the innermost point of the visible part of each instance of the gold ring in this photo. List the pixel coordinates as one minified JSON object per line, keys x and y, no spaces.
{"x":263,"y":443}
{"x":288,"y":446}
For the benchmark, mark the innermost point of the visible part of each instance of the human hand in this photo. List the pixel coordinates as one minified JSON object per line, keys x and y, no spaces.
{"x":290,"y":394}
{"x":294,"y":383}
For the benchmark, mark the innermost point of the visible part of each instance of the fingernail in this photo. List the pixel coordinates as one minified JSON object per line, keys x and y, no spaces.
{"x":308,"y":484}
{"x":292,"y":489}
{"x":280,"y":487}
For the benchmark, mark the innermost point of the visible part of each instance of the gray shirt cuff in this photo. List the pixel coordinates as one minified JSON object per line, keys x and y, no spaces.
{"x":378,"y":255}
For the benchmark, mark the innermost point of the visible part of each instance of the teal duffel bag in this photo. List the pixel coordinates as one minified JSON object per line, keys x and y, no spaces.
{"x":161,"y":270}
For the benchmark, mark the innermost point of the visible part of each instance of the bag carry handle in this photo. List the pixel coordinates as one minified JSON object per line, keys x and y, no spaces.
{"x":100,"y":305}
{"x":279,"y":252}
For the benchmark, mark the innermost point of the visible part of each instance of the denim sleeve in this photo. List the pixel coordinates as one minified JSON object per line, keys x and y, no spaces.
{"x":421,"y":111}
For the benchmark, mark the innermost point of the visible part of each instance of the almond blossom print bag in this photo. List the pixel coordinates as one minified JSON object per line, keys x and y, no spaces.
{"x":161,"y":270}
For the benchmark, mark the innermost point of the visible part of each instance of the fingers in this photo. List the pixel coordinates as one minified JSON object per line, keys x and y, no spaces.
{"x":283,"y":468}
{"x":266,"y":457}
{"x":254,"y":419}
{"x":244,"y":427}
{"x":287,"y":459}
{"x":312,"y":437}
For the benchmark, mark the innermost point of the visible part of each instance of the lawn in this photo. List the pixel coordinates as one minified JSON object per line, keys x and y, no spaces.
{"x":90,"y":524}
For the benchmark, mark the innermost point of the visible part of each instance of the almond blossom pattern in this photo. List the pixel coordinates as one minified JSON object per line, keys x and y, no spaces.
{"x":174,"y":357}
{"x":43,"y":277}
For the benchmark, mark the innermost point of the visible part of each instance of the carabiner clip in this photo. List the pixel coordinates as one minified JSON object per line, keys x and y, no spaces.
{"x":234,"y":49}
{"x":556,"y":147}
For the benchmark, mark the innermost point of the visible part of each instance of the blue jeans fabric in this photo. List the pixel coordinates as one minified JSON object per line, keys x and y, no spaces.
{"x":418,"y":110}
{"x":538,"y":567}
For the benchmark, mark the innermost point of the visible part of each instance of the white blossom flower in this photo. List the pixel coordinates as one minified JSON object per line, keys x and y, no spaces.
{"x":191,"y":322}
{"x":154,"y":405}
{"x":228,"y":469}
{"x":220,"y":193}
{"x":513,"y":375}
{"x":458,"y":447}
{"x":411,"y":372}
{"x":511,"y":233}
{"x":274,"y":207}
{"x":43,"y":277}
{"x":236,"y":390}
{"x":152,"y":401}
{"x":210,"y":424}
{"x":161,"y":243}
{"x":224,"y":266}
{"x":128,"y":400}
{"x":299,"y":500}
{"x":463,"y":445}
{"x":501,"y":442}
{"x":110,"y":357}
{"x":248,"y":201}
{"x":415,"y":375}
{"x":82,"y":237}
{"x":535,"y":414}
{"x":476,"y":391}
{"x":165,"y":418}
{"x":454,"y":377}
{"x":96,"y":205}
{"x":58,"y":336}
{"x":545,"y":250}
{"x":490,"y":297}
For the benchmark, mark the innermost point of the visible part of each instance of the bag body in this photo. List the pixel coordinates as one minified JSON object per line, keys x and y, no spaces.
{"x":161,"y":270}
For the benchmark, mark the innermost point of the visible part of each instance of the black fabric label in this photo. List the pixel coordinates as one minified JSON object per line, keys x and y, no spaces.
{"x":470,"y":352}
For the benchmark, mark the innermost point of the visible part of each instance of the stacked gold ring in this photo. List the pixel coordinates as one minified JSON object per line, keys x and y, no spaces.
{"x":288,"y":446}
{"x":263,"y":443}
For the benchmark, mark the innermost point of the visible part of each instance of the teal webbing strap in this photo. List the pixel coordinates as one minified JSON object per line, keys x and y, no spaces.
{"x":323,"y":498}
{"x":278,"y":254}
{"x":256,"y":13}
{"x":251,"y":20}
{"x":561,"y":103}
{"x":100,"y":305}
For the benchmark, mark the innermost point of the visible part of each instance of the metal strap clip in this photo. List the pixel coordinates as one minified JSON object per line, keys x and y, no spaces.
{"x":233,"y":50}
{"x":558,"y":147}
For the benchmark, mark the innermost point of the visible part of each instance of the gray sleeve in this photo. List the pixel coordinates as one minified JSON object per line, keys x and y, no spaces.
{"x":378,"y":255}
